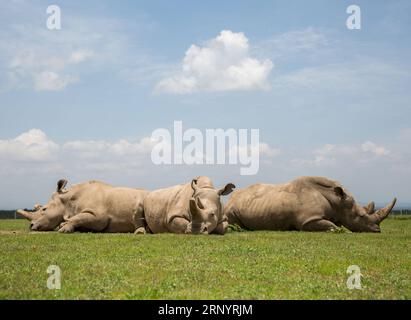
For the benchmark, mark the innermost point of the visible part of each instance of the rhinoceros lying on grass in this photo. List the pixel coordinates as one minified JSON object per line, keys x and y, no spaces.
{"x":90,"y":206}
{"x":187,"y":208}
{"x":307,"y":203}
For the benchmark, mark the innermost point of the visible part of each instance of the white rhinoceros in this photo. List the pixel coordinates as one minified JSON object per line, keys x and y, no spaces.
{"x":307,"y":203}
{"x":91,"y":206}
{"x":187,"y":208}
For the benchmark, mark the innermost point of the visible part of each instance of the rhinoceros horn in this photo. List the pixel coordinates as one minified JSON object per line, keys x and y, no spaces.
{"x":381,"y":214}
{"x":370,"y":208}
{"x":196,"y":215}
{"x":25,"y":214}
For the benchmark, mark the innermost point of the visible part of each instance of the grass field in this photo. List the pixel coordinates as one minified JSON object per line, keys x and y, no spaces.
{"x":239,"y":265}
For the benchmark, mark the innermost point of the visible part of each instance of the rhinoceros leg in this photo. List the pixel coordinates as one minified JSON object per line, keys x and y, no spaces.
{"x":319,"y":225}
{"x":232,"y":217}
{"x":221,"y":228}
{"x":140,"y":230}
{"x":179,"y":225}
{"x":139,"y":221}
{"x":85,"y":220}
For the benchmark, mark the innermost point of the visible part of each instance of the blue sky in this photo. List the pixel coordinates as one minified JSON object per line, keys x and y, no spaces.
{"x":327,"y":100}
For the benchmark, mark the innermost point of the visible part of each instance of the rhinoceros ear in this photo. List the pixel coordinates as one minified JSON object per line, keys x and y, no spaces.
{"x":370,"y":208}
{"x":340,"y":192}
{"x":227,"y":189}
{"x":194,"y":184}
{"x":61,"y":185}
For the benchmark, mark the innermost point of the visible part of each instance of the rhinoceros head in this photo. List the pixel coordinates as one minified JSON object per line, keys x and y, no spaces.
{"x":49,"y":216}
{"x":362,"y":219}
{"x":205,"y":206}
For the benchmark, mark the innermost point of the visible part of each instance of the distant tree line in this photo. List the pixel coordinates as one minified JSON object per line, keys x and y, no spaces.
{"x":10,"y":214}
{"x":401,"y":211}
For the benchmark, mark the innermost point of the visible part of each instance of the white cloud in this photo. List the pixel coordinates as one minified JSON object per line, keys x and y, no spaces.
{"x":52,"y":81}
{"x":80,"y":56}
{"x":359,"y":77}
{"x":222,"y":64}
{"x":33,"y":145}
{"x":33,"y":57}
{"x":92,"y":158}
{"x":45,"y":70}
{"x":375,"y":149}
{"x":264,"y":149}
{"x":329,"y":153}
{"x":332,"y":155}
{"x":101,"y":148}
{"x":335,"y":150}
{"x":268,"y":151}
{"x":303,"y":41}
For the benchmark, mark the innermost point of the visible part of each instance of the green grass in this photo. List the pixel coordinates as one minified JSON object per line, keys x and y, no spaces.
{"x":239,"y":265}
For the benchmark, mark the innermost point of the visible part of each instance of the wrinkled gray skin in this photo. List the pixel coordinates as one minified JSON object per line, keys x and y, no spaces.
{"x":307,"y":204}
{"x":91,"y":207}
{"x":187,"y":208}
